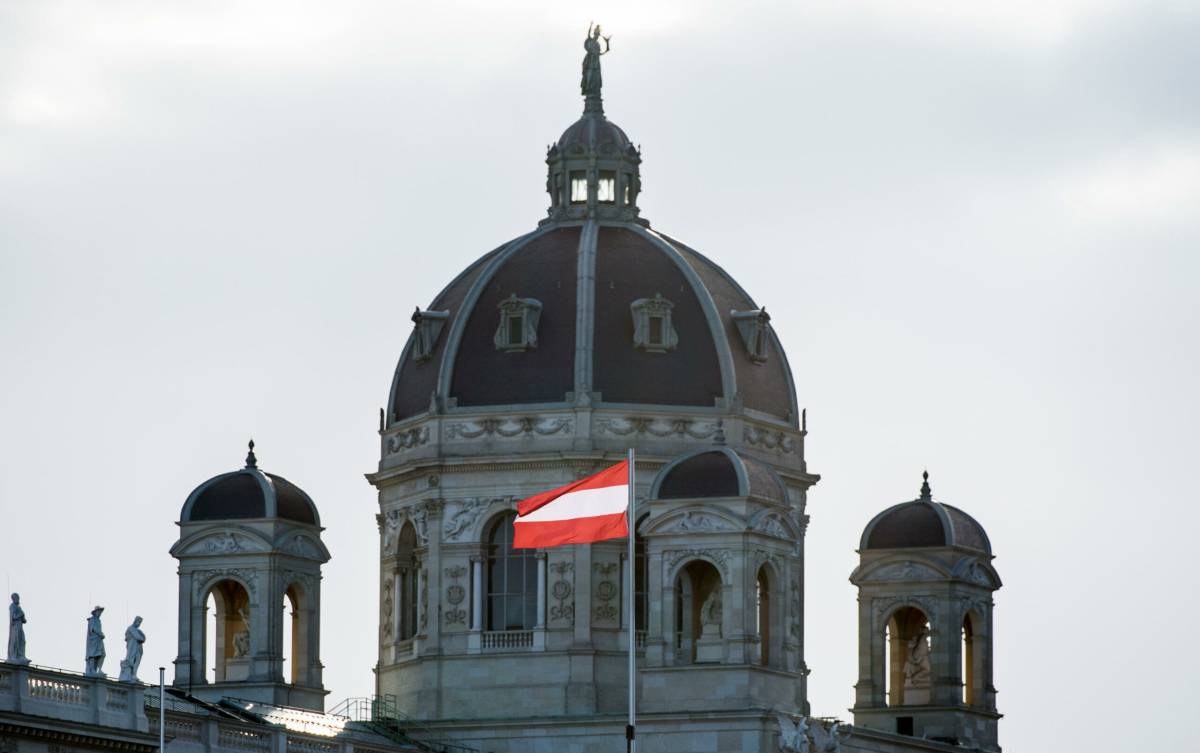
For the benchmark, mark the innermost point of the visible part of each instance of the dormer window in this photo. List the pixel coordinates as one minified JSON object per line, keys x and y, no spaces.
{"x":606,"y":189}
{"x":518,"y":323}
{"x":578,"y":187}
{"x":427,"y":327}
{"x":652,"y":328}
{"x":752,"y":326}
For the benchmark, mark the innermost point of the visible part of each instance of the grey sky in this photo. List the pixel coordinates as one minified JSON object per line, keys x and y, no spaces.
{"x":975,"y":227}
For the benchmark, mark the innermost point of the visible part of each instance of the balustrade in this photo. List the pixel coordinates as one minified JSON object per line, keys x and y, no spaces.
{"x":508,"y":639}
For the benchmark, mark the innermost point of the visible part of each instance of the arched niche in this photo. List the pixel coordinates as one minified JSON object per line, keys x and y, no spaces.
{"x":699,"y":613}
{"x":230,"y":623}
{"x":908,"y":657}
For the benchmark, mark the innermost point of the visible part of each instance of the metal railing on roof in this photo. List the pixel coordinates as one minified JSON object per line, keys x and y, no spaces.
{"x":381,"y":715}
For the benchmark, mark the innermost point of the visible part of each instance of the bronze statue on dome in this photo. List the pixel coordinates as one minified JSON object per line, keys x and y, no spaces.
{"x":591,"y":81}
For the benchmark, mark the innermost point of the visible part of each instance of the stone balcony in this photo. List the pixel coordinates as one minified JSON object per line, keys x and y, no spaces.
{"x":55,"y":694}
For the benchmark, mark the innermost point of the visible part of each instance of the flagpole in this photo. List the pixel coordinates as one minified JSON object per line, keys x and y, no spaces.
{"x":630,"y":744}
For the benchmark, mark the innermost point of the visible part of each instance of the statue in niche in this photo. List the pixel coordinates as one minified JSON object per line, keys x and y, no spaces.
{"x":134,"y":638}
{"x":16,"y":632}
{"x":94,"y":655}
{"x":916,"y":667}
{"x":591,"y":82}
{"x":241,"y":639}
{"x":710,"y":610}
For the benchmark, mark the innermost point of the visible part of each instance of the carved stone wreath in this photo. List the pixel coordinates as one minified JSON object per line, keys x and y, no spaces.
{"x":455,"y":594}
{"x":658,"y":427}
{"x":407,"y":440}
{"x":562,"y":591}
{"x":508,"y":427}
{"x":768,"y":439}
{"x":606,"y":592}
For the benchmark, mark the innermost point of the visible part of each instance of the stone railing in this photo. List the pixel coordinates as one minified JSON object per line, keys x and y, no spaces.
{"x":241,"y":738}
{"x":639,"y":638}
{"x":501,"y":639}
{"x":40,"y":691}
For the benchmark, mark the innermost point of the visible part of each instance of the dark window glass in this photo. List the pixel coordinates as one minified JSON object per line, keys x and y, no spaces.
{"x":512,"y":580}
{"x":656,"y":330}
{"x":515,"y":330}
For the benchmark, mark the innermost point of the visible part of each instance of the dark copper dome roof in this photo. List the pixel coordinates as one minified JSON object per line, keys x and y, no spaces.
{"x":585,"y":276}
{"x":249,"y":493}
{"x":593,"y":131}
{"x":924,"y":523}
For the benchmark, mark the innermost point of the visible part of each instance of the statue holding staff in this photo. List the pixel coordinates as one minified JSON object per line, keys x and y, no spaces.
{"x":591,"y":82}
{"x":94,"y":656}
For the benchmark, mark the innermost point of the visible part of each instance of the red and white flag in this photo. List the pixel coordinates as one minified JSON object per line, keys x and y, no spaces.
{"x":590,"y":509}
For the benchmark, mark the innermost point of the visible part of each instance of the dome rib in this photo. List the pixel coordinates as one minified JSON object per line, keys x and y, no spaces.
{"x":716,"y":326}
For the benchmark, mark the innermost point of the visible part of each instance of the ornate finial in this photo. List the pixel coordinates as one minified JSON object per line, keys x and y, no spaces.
{"x":591,"y":83}
{"x":251,"y":461}
{"x":926,"y":492}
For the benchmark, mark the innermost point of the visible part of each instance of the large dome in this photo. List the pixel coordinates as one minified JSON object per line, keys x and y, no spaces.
{"x":588,"y":277}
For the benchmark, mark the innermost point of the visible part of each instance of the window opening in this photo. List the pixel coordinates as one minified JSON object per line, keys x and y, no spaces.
{"x":511,"y":581}
{"x":578,"y":187}
{"x":606,"y":188}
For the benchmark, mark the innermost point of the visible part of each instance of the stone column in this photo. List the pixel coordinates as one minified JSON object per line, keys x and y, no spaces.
{"x":540,"y":620}
{"x":656,"y":610}
{"x":476,"y":593}
{"x":626,"y":618}
{"x":429,"y":623}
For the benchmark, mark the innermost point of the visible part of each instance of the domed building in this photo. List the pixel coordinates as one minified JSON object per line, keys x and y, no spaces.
{"x":543,"y":362}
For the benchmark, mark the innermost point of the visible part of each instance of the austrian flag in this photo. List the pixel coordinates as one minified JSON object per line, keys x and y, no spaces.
{"x":590,"y":509}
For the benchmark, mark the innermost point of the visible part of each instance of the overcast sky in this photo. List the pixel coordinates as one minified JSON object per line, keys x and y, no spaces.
{"x":975,"y":226}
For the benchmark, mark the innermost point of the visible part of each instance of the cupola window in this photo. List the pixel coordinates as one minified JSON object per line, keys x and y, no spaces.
{"x":518,"y":323}
{"x":427,"y":327}
{"x":752,"y":326}
{"x":606,"y":189}
{"x":652,"y":328}
{"x":578,"y":187}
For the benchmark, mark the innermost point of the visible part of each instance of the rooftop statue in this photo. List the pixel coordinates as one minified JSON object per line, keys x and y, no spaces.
{"x":95,"y":645}
{"x":134,"y":638}
{"x":591,"y":82}
{"x":16,"y":632}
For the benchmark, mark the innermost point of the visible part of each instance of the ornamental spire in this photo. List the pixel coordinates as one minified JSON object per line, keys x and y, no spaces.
{"x":926,"y":492}
{"x":591,"y":82}
{"x":251,"y":461}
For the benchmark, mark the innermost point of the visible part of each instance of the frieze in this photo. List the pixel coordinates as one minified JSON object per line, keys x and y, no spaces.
{"x":606,"y":592}
{"x":925,"y":602}
{"x":385,"y":609}
{"x":696,"y":522}
{"x":562,"y":591}
{"x":302,"y":546}
{"x":508,"y":427}
{"x":658,"y":427}
{"x":772,"y":525}
{"x":904,"y":571}
{"x":674,"y":557}
{"x":455,"y":594}
{"x":408,"y":439}
{"x":463,"y":519}
{"x":201,"y":578}
{"x":768,"y":439}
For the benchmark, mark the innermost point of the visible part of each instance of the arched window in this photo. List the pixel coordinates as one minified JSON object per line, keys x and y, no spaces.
{"x":908,"y":677}
{"x":511,"y":580}
{"x":762,"y":616}
{"x":291,"y":630}
{"x":228,"y":628}
{"x":640,"y":576}
{"x":968,"y":662}
{"x":406,"y":583}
